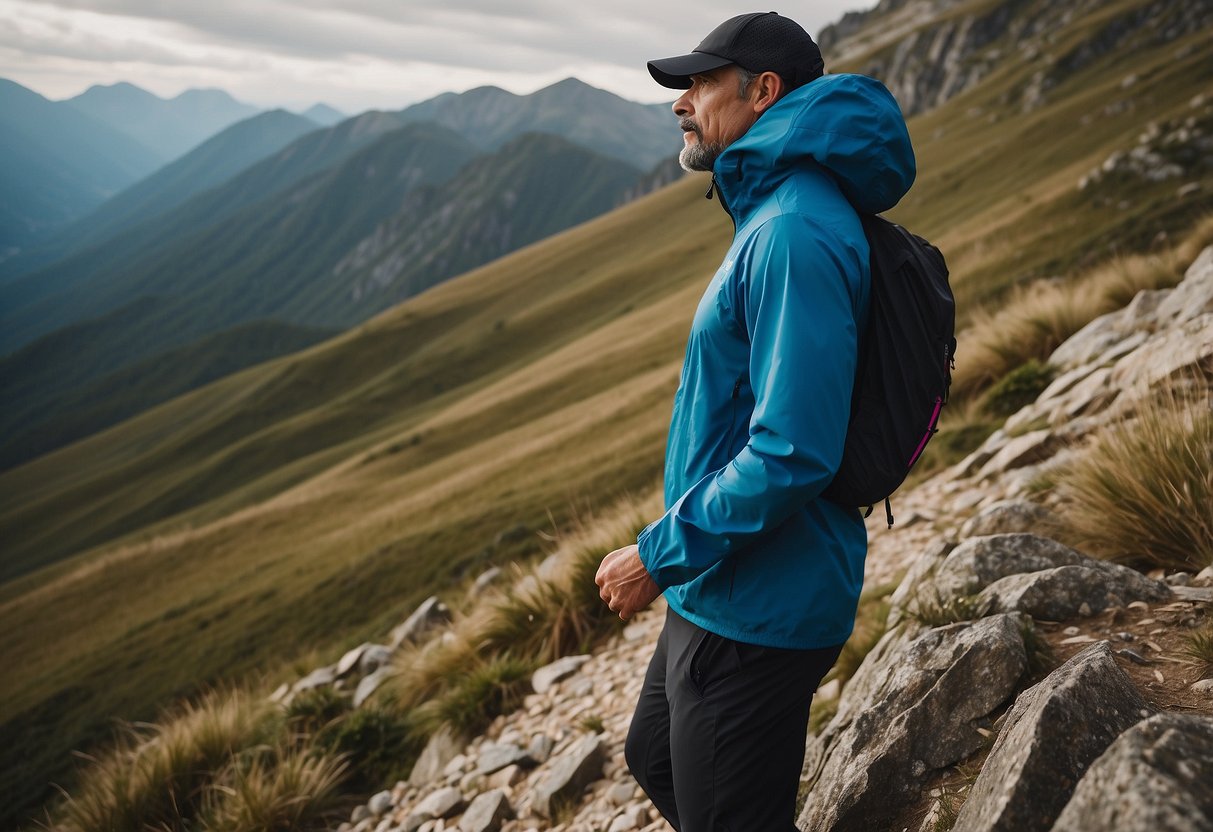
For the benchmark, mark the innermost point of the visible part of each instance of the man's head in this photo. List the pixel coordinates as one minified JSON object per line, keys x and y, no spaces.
{"x":739,"y":70}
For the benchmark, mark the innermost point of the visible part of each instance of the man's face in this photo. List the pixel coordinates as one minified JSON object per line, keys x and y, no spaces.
{"x":713,"y":115}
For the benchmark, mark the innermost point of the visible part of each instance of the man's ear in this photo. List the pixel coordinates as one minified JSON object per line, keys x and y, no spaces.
{"x":767,"y":88}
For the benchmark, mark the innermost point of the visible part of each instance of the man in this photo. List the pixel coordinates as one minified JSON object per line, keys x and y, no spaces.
{"x":761,"y":576}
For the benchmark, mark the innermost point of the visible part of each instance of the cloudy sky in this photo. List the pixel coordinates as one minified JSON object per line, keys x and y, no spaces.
{"x":358,"y":54}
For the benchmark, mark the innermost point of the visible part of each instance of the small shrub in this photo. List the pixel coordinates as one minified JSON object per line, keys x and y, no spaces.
{"x":1041,"y":658}
{"x":279,"y":791}
{"x":313,"y":709}
{"x":1142,"y":493}
{"x":478,"y":695}
{"x":929,"y":608}
{"x":1018,"y":388}
{"x":1197,"y":647}
{"x":380,"y":746}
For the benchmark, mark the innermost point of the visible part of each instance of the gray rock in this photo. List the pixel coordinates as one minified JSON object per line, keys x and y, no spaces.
{"x":432,"y":613}
{"x":1193,"y":296}
{"x":360,"y":813}
{"x":1203,"y":686}
{"x":913,"y":708}
{"x":486,"y":813}
{"x":1155,"y":776}
{"x":442,"y":747}
{"x":369,"y":684}
{"x":1067,"y":591}
{"x":1007,"y":516}
{"x":1052,"y":734}
{"x":494,"y":757}
{"x":548,"y":675}
{"x":569,"y":774}
{"x":1027,"y":449}
{"x":1175,"y":353}
{"x":347,"y":662}
{"x":439,"y":804}
{"x":318,"y":678}
{"x":380,"y":803}
{"x":981,"y":561}
{"x":374,"y":657}
{"x":540,"y":749}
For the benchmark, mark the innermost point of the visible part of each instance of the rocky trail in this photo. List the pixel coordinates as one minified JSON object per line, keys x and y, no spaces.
{"x":1020,"y":685}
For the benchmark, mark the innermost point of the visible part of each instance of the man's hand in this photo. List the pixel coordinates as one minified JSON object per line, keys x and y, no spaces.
{"x":624,"y":583}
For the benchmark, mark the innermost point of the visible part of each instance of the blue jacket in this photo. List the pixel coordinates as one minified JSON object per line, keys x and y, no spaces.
{"x":746,"y":549}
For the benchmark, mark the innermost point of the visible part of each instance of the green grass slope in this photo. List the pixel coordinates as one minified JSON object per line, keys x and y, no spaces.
{"x":347,"y":480}
{"x":310,"y":502}
{"x":89,"y":406}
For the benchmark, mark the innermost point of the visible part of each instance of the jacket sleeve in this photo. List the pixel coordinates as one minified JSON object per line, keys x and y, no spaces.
{"x":801,"y":297}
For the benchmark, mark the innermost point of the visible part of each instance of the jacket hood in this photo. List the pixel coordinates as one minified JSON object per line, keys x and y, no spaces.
{"x":850,"y":125}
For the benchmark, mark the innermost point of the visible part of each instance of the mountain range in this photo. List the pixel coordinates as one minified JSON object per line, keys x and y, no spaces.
{"x":316,"y":232}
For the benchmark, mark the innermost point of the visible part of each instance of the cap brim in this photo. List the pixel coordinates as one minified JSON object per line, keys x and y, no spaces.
{"x":676,"y":72}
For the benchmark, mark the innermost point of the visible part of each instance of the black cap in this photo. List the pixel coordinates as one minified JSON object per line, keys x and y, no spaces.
{"x":758,"y":42}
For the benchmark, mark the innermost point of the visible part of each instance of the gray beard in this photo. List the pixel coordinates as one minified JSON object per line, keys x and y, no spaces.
{"x":700,"y":156}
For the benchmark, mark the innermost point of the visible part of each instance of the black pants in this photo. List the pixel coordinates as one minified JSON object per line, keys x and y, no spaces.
{"x":717,"y":741}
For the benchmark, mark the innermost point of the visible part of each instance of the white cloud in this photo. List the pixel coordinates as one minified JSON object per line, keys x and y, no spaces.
{"x":356,"y":55}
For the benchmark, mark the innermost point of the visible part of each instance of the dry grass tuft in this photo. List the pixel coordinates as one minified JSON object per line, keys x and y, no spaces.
{"x":1035,"y":319}
{"x":282,"y":791}
{"x":156,"y":775}
{"x":1142,"y":493}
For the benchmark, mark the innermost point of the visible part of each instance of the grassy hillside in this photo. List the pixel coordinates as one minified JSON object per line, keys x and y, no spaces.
{"x":308,"y":503}
{"x":347,"y":480}
{"x":90,"y":406}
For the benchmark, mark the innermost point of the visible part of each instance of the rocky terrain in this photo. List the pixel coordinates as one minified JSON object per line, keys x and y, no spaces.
{"x":1020,"y":684}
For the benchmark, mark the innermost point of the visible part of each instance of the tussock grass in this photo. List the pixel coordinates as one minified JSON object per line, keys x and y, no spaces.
{"x":482,"y":692}
{"x":930,"y":608}
{"x":156,"y":775}
{"x":1142,"y":492}
{"x":1197,"y":647}
{"x":1035,"y":319}
{"x":280,"y":791}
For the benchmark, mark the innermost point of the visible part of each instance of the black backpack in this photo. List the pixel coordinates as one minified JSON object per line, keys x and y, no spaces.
{"x":904,"y":368}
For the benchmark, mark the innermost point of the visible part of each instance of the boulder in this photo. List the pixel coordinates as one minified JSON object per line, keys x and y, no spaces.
{"x":369,"y":684}
{"x":914,"y":707}
{"x":1156,"y":775}
{"x":1193,"y":296}
{"x":1062,"y":593}
{"x":379,"y":803}
{"x":981,"y":561}
{"x":442,"y":803}
{"x":318,"y":678}
{"x":569,"y":774}
{"x":486,"y":812}
{"x":496,"y":756}
{"x":374,"y":657}
{"x":442,"y":747}
{"x":1052,"y":734}
{"x":1019,"y":451}
{"x":548,"y":675}
{"x":1007,"y":516}
{"x":347,"y":662}
{"x":432,"y":613}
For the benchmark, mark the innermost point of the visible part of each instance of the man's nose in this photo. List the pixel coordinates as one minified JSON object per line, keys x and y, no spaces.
{"x":682,"y":107}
